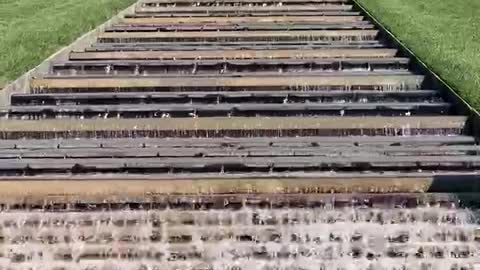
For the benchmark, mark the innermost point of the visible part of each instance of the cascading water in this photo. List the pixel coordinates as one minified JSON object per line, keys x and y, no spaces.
{"x":248,"y":238}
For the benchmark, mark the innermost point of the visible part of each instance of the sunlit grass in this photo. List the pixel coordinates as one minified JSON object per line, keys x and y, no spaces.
{"x":444,"y":34}
{"x":32,"y":30}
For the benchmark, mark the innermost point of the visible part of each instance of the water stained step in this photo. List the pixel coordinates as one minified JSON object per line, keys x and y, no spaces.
{"x":233,"y":2}
{"x":361,"y":25}
{"x":238,"y":9}
{"x":236,"y":36}
{"x":271,"y":18}
{"x":216,"y":67}
{"x":234,"y":127}
{"x":272,"y":43}
{"x":234,"y":54}
{"x":225,"y":110}
{"x":327,"y":81}
{"x":243,"y":143}
{"x":248,"y":14}
{"x":201,"y":97}
{"x":229,"y":164}
{"x":165,"y":152}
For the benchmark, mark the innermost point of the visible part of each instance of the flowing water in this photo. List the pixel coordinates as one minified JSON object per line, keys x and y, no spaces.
{"x":249,"y":238}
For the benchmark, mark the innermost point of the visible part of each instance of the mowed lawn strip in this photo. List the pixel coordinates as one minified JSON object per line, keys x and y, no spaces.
{"x":32,"y":30}
{"x":444,"y":34}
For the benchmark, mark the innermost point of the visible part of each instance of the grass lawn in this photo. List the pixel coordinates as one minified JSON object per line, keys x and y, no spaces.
{"x":32,"y":30}
{"x":444,"y":34}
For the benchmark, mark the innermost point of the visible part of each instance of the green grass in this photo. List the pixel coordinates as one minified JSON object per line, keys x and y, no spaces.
{"x":444,"y":34}
{"x":32,"y":30}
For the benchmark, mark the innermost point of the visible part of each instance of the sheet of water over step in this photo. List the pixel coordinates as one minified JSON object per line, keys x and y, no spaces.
{"x":245,"y":239}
